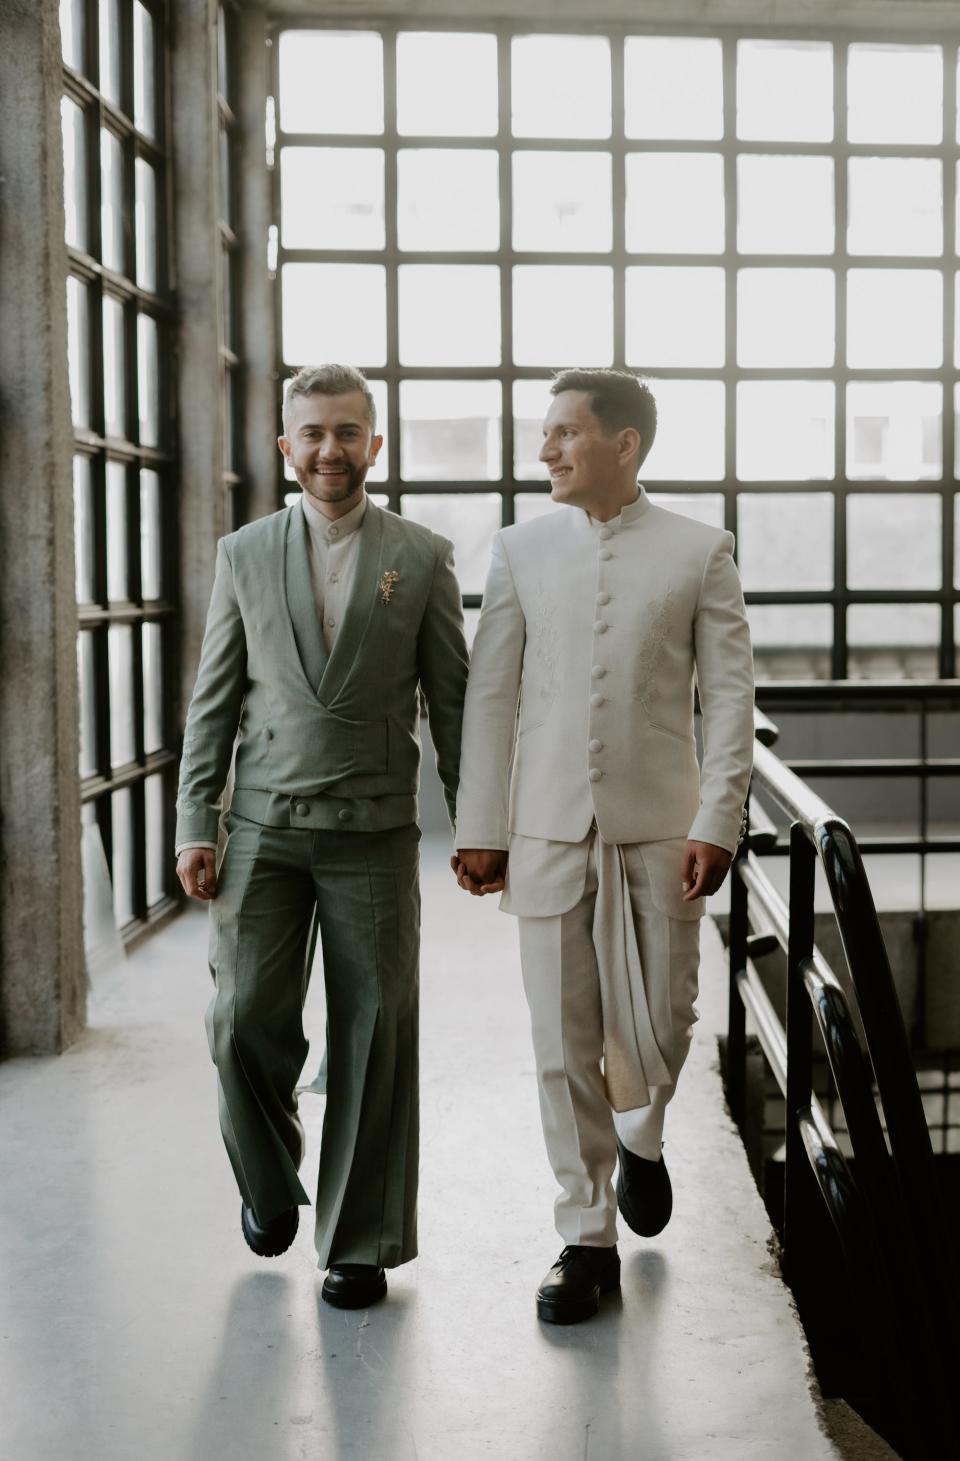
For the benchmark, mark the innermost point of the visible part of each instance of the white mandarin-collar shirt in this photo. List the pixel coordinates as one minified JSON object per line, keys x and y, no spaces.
{"x":333,"y":561}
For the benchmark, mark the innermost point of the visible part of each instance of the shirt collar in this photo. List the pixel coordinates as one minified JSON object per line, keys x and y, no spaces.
{"x":629,"y":513}
{"x":333,"y":532}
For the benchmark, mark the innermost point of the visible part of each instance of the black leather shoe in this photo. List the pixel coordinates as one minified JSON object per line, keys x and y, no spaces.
{"x":275,"y":1236}
{"x":571,"y":1290}
{"x":644,"y":1194}
{"x":354,"y":1285}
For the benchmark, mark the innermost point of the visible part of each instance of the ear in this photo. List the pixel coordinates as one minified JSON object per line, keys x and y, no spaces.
{"x":628,"y":444}
{"x":376,"y":442}
{"x":284,"y":446}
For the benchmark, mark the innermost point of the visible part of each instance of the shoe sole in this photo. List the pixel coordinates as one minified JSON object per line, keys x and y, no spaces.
{"x":566,"y":1311}
{"x":341,"y":1300}
{"x":272,"y":1252}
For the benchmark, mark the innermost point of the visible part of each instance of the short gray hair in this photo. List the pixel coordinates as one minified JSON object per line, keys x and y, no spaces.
{"x":330,"y":380}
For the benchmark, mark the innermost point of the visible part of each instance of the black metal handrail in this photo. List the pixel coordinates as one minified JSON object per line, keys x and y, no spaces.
{"x":886,"y":1210}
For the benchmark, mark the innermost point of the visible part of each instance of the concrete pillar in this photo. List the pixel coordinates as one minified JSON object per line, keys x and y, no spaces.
{"x":201,"y":504}
{"x":42,"y":979}
{"x":261,"y":385}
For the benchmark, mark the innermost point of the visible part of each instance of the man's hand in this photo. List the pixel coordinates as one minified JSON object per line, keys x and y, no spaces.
{"x":197,"y":871}
{"x":703,"y":869}
{"x":480,"y":870}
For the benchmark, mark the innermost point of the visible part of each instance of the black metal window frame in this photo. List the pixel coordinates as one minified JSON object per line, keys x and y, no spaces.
{"x":842,"y":488}
{"x":234,"y":485}
{"x":101,"y":614}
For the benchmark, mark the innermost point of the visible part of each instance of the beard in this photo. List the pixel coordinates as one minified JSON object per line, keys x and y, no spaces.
{"x":326,"y":490}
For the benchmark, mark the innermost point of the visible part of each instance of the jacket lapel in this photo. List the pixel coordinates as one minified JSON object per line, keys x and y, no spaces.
{"x":301,"y":604}
{"x":360,"y":605}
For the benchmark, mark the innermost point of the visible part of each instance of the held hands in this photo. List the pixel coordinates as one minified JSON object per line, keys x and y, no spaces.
{"x":197,"y":871}
{"x":480,"y":870}
{"x":703,"y":869}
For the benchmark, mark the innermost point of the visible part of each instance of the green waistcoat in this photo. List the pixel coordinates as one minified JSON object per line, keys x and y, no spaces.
{"x":324,"y":742}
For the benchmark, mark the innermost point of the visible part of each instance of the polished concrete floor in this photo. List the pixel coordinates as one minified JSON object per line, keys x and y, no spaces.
{"x":136,"y":1326}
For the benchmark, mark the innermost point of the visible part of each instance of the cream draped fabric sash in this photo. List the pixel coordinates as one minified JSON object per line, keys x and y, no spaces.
{"x":633,"y":1061}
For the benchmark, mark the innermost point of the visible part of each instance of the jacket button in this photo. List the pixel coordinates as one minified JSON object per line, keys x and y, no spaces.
{"x":595,"y":746}
{"x":302,"y":808}
{"x":596,"y":699}
{"x":600,"y":627}
{"x":595,"y":773}
{"x":603,"y":598}
{"x":598,"y":672}
{"x":604,"y":554}
{"x":344,"y":814}
{"x":604,"y":534}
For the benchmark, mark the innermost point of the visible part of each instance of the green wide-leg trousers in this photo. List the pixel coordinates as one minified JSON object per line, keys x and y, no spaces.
{"x":277,"y":888}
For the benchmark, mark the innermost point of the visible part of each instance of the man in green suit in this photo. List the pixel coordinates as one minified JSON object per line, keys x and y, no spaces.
{"x":326,"y":622}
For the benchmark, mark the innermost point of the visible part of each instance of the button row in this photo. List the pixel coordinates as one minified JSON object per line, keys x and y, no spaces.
{"x":302,"y":809}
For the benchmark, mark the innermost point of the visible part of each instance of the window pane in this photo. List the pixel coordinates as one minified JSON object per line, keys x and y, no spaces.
{"x":78,"y":350}
{"x":334,"y":312}
{"x":111,"y":200}
{"x":561,"y":86}
{"x":895,"y":93}
{"x":121,"y":818}
{"x":151,"y":561}
{"x":332,"y":197}
{"x":72,"y":32}
{"x":702,"y":507}
{"x":110,"y":50}
{"x":114,"y":390}
{"x":891,"y":641}
{"x":154,"y":798}
{"x":83,"y":539}
{"x":144,"y":99}
{"x":785,"y":317}
{"x":146,"y":224}
{"x":894,"y":317}
{"x":896,"y":206}
{"x":448,"y":199}
{"x":88,"y":715}
{"x":118,"y":580}
{"x":152,"y":689}
{"x":675,"y":202}
{"x":673,"y":87}
{"x":785,"y":205}
{"x":350,"y":98}
{"x":450,"y":431}
{"x":528,"y":505}
{"x":791,"y":642}
{"x":74,"y":174}
{"x":120,"y":650}
{"x":446,"y":84}
{"x":784,"y":430}
{"x":675,"y":316}
{"x":785,"y":540}
{"x":531,"y":401}
{"x":449,"y":314}
{"x":469,"y":522}
{"x":562,"y":201}
{"x":785,"y":90}
{"x":562,"y":313}
{"x":148,"y":380}
{"x":893,"y":540}
{"x":894,"y":430}
{"x":690,"y":432}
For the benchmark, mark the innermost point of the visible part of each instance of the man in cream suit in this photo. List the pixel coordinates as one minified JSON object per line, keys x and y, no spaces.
{"x":591,"y":812}
{"x":327,"y":619}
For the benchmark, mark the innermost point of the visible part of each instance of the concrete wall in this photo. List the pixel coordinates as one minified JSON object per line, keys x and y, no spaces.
{"x":42,"y":981}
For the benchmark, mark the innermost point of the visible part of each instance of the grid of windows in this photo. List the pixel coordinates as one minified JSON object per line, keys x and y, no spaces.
{"x":229,"y":314}
{"x":765,"y":227}
{"x":115,"y":189}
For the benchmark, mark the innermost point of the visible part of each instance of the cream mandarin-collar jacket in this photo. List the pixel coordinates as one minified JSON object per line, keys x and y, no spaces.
{"x":599,"y":632}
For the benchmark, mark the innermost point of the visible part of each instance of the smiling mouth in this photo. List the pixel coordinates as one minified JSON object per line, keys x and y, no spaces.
{"x":560,"y":471}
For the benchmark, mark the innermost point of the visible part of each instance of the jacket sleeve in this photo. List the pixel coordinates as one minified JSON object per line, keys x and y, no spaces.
{"x":214,"y":713}
{"x":725,"y":681}
{"x":442,"y":668}
{"x":490,"y":714}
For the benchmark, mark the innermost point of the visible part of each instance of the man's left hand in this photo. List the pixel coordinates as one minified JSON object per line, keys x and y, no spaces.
{"x":703,"y":869}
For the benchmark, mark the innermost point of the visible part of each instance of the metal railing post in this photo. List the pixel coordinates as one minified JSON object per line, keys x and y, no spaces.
{"x":797,"y":1178}
{"x":736,"y":1013}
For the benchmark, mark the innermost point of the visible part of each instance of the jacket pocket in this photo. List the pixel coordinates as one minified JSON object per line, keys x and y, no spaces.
{"x":664,"y":730}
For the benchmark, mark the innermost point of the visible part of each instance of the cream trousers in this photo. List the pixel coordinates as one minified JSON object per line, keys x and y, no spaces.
{"x":611,"y":986}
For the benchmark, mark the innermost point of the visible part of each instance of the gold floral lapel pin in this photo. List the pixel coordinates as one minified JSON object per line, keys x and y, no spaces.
{"x":387,"y":585}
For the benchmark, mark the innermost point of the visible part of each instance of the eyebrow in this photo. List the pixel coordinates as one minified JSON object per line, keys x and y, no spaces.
{"x":340,"y":426}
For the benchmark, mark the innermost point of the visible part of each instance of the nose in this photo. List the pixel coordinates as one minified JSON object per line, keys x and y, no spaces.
{"x":547,"y":452}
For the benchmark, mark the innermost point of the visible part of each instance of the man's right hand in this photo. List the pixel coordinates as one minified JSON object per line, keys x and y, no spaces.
{"x":480,"y":869}
{"x":197,"y":871}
